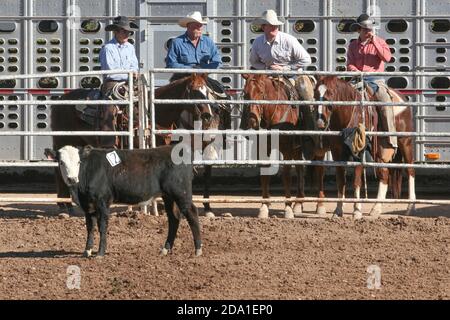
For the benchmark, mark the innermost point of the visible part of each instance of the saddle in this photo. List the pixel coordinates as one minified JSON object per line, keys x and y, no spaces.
{"x":289,"y":87}
{"x":90,"y":113}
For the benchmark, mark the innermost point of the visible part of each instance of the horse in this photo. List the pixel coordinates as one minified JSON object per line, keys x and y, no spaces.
{"x":272,"y":116}
{"x":108,"y":118}
{"x":172,"y":116}
{"x":337,"y":118}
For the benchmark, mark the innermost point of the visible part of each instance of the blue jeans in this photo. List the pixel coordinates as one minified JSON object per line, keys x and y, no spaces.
{"x":370,"y":81}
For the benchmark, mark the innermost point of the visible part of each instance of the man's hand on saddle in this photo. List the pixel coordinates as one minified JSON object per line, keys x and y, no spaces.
{"x":276,"y":67}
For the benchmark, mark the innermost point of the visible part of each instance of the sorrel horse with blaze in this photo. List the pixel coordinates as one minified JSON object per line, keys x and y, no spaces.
{"x":68,"y":118}
{"x":273,"y":116}
{"x":337,"y":118}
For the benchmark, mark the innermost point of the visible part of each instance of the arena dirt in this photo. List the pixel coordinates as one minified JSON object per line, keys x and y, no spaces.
{"x":243,"y":257}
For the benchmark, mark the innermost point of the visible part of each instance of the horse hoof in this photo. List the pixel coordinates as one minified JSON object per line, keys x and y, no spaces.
{"x":357,"y":215}
{"x":298,"y":209}
{"x":198,"y":252}
{"x":375,"y":212}
{"x":411,"y":209}
{"x":263,"y":212}
{"x":87,"y":253}
{"x":339,"y":213}
{"x":164,"y":252}
{"x":321,"y":210}
{"x":210,"y":214}
{"x":288,"y":213}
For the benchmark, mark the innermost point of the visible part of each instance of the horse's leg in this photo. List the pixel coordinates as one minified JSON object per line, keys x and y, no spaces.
{"x":206,"y":205}
{"x":405,"y":146}
{"x":298,"y":207}
{"x":340,"y":181}
{"x":357,"y":209}
{"x":264,"y":210}
{"x":383,"y":176}
{"x":319,"y":173}
{"x":288,"y":213}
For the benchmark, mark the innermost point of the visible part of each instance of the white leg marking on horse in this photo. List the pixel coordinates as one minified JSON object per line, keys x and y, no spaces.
{"x":288,"y":213}
{"x":298,"y":209}
{"x":377,"y":208}
{"x":263,"y":211}
{"x":412,"y":195}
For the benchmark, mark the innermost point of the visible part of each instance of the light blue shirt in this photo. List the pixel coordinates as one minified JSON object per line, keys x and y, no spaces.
{"x":116,"y":56}
{"x":183,"y":54}
{"x":285,"y":51}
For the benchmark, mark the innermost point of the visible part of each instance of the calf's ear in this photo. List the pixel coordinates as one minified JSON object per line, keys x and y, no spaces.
{"x":86,"y":151}
{"x":51,"y":154}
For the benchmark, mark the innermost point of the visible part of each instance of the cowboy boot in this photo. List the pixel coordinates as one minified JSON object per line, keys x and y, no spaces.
{"x":388,"y":113}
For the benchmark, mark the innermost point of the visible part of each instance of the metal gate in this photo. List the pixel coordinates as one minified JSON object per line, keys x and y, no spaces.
{"x":37,"y":36}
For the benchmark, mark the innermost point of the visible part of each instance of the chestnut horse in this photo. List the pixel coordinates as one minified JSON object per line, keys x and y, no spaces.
{"x":337,"y":118}
{"x":172,"y":116}
{"x":67,"y":118}
{"x":272,"y":116}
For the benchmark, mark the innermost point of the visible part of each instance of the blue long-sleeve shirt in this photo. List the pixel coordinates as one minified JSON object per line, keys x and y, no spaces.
{"x":116,"y":56}
{"x":183,"y":54}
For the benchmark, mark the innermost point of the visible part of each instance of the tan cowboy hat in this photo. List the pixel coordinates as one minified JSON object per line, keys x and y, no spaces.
{"x":363,"y":21}
{"x":268,"y":17}
{"x":195,"y":16}
{"x":122,"y":22}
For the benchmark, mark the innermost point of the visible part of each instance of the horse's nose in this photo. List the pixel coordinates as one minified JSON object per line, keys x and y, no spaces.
{"x":320,"y":124}
{"x":253,"y":123}
{"x":206,"y":117}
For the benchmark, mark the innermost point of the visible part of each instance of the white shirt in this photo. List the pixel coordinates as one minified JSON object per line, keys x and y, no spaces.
{"x":285,"y":50}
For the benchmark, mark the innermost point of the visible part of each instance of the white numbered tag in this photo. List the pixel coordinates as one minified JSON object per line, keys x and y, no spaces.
{"x":113,"y":158}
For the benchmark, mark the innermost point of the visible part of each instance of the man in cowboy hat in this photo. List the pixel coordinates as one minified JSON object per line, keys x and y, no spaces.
{"x":276,"y":50}
{"x":192,"y":49}
{"x":118,"y":53}
{"x":368,"y":54}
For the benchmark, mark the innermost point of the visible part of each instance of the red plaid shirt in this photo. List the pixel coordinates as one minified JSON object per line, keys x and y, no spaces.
{"x":369,"y":57}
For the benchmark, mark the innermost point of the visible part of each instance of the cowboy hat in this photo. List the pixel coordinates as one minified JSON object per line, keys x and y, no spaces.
{"x":195,"y":16}
{"x":363,"y":21}
{"x":122,"y":22}
{"x":268,"y":17}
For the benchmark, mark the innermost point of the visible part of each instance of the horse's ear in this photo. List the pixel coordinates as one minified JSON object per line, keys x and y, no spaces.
{"x":245,"y":76}
{"x":85,"y":151}
{"x":204,"y":75}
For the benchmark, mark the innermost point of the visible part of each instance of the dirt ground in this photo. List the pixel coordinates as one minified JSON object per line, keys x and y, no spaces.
{"x":243,"y":257}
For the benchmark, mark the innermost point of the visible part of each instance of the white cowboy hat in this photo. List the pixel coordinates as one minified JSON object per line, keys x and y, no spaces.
{"x":268,"y":17}
{"x":363,"y":21}
{"x":195,"y":16}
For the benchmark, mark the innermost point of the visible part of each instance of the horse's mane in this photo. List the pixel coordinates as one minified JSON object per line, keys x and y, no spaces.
{"x":169,"y":89}
{"x":342,"y":90}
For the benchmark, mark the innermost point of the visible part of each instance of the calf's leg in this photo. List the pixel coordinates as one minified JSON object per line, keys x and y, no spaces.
{"x":174,"y":222}
{"x":91,"y":221}
{"x":102,"y":211}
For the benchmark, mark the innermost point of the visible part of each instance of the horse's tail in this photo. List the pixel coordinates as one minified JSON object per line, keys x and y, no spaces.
{"x":396,"y":177}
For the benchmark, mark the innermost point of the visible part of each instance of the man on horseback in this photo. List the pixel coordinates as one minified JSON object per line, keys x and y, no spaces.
{"x":276,"y":50}
{"x":194,"y":50}
{"x":368,"y":54}
{"x":118,"y":53}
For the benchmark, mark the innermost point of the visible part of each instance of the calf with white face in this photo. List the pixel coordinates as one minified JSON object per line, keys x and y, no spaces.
{"x":99,"y":177}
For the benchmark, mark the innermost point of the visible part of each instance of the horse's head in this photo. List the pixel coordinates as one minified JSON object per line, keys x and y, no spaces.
{"x":255,"y":89}
{"x":324,"y":91}
{"x":197,"y":88}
